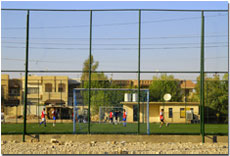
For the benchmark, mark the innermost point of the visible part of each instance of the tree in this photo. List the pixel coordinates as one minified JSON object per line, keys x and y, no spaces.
{"x":216,"y":95}
{"x":165,"y":84}
{"x":86,"y":64}
{"x":99,"y":80}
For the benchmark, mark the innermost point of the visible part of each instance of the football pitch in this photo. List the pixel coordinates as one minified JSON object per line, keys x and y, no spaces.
{"x":106,"y":128}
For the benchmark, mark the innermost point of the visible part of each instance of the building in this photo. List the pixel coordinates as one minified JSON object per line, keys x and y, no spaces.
{"x":188,"y":89}
{"x":45,"y":90}
{"x":72,"y":83}
{"x":57,"y":91}
{"x":174,"y":112}
{"x":123,"y":83}
{"x":11,"y":91}
{"x":132,"y":83}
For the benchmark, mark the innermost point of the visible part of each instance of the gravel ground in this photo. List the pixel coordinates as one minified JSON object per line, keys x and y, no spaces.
{"x":93,"y":147}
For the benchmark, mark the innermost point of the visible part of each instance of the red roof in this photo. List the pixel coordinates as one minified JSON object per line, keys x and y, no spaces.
{"x":187,"y":84}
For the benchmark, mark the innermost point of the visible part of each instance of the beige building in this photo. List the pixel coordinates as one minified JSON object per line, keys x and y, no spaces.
{"x":58,"y":91}
{"x":188,"y":89}
{"x":42,"y":90}
{"x":45,"y":90}
{"x":174,"y":112}
{"x":10,"y":91}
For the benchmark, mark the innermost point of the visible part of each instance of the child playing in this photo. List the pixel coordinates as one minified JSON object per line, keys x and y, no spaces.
{"x":43,"y":117}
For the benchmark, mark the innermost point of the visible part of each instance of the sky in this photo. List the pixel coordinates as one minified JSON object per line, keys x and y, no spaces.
{"x":170,"y":41}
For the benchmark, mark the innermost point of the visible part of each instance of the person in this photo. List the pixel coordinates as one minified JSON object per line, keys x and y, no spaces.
{"x":116,"y":116}
{"x":54,"y":114}
{"x":111,"y":117}
{"x":106,"y":117}
{"x":43,"y":116}
{"x":162,"y":118}
{"x":124,"y":117}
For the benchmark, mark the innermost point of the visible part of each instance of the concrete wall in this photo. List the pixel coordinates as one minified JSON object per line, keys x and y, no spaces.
{"x":5,"y":86}
{"x":129,"y":110}
{"x":176,"y":113}
{"x":31,"y":110}
{"x":154,"y":112}
{"x":12,"y":111}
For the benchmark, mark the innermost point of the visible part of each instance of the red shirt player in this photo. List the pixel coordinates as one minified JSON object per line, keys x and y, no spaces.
{"x":162,"y":118}
{"x":111,"y":117}
{"x":43,"y":116}
{"x":124,"y":118}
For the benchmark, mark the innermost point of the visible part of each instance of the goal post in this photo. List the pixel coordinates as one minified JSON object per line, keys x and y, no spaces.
{"x":110,"y":101}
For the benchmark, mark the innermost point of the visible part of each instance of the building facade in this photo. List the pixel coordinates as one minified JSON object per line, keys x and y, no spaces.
{"x":174,"y":112}
{"x":45,"y":90}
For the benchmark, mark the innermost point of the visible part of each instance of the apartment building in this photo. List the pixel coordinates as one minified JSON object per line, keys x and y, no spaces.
{"x":45,"y":90}
{"x":10,"y":91}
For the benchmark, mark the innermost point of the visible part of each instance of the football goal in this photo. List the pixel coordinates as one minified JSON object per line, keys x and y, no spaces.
{"x":106,"y":101}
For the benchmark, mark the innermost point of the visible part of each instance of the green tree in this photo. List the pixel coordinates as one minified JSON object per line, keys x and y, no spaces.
{"x":86,"y":64}
{"x":165,"y":84}
{"x":216,"y":94}
{"x":99,"y":80}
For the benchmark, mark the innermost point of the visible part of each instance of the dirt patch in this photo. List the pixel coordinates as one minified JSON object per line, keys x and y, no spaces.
{"x":112,"y":144}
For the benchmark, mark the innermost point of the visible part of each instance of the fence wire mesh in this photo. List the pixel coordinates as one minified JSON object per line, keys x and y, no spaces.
{"x":155,"y":50}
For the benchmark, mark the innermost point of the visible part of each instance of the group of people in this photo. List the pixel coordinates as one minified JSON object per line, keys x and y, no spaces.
{"x":116,"y":115}
{"x":111,"y":115}
{"x":43,"y":117}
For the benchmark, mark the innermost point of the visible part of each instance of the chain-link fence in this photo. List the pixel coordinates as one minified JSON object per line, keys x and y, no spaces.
{"x":165,"y":52}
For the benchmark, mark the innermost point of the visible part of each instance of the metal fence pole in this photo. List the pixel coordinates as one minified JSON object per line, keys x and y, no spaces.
{"x":26,"y":73}
{"x":185,"y":99}
{"x":16,"y":114}
{"x":90,"y":61}
{"x":38,"y":101}
{"x":139,"y":56}
{"x":61,"y":99}
{"x":228,"y":74}
{"x":148,"y":130}
{"x":74,"y":111}
{"x":207,"y":101}
{"x":202,"y":78}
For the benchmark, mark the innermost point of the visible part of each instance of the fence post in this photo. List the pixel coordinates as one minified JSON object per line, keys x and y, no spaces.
{"x":148,"y":130}
{"x":38,"y":102}
{"x":74,"y":111}
{"x":202,"y":78}
{"x":90,"y":61}
{"x":185,"y":100}
{"x":139,"y":56}
{"x":26,"y":73}
{"x":61,"y":100}
{"x":16,"y":114}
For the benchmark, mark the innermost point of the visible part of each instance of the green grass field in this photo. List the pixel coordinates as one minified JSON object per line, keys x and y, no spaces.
{"x":67,"y":128}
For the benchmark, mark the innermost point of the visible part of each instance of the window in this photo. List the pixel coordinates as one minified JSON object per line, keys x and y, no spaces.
{"x":170,"y":112}
{"x":48,"y":87}
{"x":61,"y":87}
{"x":14,"y":91}
{"x":182,"y":113}
{"x":32,"y":91}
